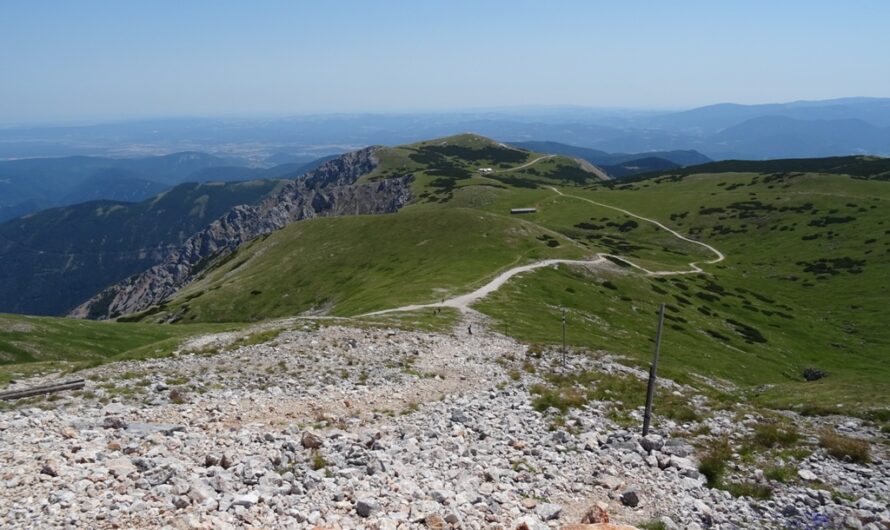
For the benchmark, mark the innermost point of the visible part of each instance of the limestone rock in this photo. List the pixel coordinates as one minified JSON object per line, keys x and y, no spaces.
{"x":366,"y":507}
{"x":311,"y":441}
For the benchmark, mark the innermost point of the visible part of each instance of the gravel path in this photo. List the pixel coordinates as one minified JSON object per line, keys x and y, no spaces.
{"x":343,"y":428}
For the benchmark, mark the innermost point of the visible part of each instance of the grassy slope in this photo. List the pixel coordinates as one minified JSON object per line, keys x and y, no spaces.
{"x":456,"y":236}
{"x":353,"y":265}
{"x":30,"y":344}
{"x":769,"y":311}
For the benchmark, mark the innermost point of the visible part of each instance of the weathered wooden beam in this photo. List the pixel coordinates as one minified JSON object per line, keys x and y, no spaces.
{"x":74,"y":384}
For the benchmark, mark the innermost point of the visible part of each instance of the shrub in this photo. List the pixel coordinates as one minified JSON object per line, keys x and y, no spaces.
{"x":843,"y":447}
{"x":812,"y":374}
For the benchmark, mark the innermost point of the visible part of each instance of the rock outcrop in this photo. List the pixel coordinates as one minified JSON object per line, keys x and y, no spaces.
{"x":330,"y":190}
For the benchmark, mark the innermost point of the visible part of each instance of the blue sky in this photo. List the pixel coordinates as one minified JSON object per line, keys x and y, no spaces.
{"x":107,"y":60}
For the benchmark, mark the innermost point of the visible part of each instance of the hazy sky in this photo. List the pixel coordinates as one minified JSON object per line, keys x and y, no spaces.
{"x":64,"y":60}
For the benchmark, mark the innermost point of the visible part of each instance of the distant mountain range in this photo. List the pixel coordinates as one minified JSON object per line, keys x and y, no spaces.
{"x":29,"y":185}
{"x":838,"y":127}
{"x":714,"y":118}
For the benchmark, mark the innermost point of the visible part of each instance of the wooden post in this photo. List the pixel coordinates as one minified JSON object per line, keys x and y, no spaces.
{"x":563,"y":337}
{"x":650,"y":390}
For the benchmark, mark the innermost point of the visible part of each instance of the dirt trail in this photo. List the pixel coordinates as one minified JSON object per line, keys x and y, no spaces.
{"x":463,"y":302}
{"x":694,"y":268}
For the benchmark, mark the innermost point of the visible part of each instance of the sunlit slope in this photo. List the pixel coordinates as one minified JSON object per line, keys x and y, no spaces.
{"x":30,"y":343}
{"x":452,"y":239}
{"x":803,"y":285}
{"x":353,"y":265}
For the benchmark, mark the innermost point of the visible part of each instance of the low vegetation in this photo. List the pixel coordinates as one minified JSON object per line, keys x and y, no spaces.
{"x":769,"y":435}
{"x":844,"y":447}
{"x":625,"y":393}
{"x":793,"y":312}
{"x":713,"y":466}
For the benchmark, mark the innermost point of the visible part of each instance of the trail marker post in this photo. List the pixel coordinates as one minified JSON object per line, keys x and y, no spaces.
{"x":650,"y":390}
{"x":563,"y":337}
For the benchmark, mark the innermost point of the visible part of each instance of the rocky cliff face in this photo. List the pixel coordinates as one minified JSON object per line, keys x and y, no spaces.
{"x":330,"y":190}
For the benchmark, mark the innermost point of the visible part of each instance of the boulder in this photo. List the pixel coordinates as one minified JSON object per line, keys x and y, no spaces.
{"x":311,"y":441}
{"x":434,"y":522}
{"x":121,"y":467}
{"x":114,"y":422}
{"x":806,"y":474}
{"x":51,"y":468}
{"x":366,"y":507}
{"x":609,"y":482}
{"x":247,"y":500}
{"x":630,"y":498}
{"x":548,"y":511}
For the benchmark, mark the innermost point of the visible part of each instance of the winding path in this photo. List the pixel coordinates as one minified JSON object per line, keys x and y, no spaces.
{"x":463,"y":302}
{"x":693,"y":266}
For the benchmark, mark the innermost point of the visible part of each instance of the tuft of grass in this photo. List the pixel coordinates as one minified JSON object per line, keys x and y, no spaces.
{"x":783,"y":474}
{"x":260,"y":337}
{"x":514,"y":375}
{"x":561,"y":398}
{"x":747,"y":489}
{"x":844,"y":447}
{"x":769,"y":435}
{"x":318,"y":462}
{"x":713,"y":463}
{"x":653,"y":525}
{"x":713,"y":467}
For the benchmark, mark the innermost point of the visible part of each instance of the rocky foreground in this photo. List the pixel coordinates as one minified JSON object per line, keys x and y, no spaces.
{"x":337,"y":427}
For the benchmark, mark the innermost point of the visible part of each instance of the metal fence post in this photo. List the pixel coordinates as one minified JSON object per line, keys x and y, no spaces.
{"x":650,"y":390}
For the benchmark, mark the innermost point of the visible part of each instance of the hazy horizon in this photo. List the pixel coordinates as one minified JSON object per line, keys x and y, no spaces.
{"x":106,"y":61}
